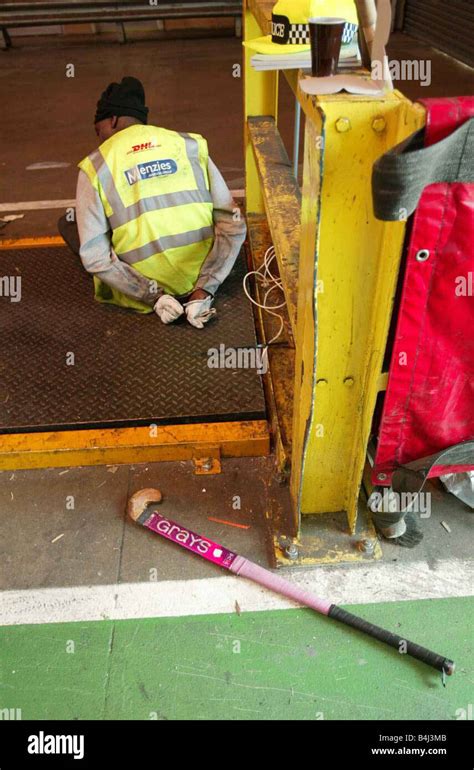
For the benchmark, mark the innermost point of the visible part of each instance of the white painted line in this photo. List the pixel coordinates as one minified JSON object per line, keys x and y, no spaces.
{"x":37,"y":205}
{"x":45,"y":164}
{"x":67,"y":203}
{"x":363,"y":584}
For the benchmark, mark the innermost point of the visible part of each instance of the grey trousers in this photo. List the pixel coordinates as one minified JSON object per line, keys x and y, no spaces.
{"x":68,"y":230}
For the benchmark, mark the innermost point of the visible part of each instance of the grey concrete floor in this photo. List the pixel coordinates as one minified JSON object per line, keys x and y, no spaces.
{"x":99,"y":544}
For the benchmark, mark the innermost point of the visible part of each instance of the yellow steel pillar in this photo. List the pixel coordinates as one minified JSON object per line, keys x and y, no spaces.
{"x":260,"y":98}
{"x":349,"y":264}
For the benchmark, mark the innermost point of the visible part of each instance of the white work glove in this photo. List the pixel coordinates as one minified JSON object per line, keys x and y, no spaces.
{"x":168,"y":309}
{"x":199,"y":311}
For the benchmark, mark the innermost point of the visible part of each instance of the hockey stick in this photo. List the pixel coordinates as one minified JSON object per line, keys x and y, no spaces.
{"x":141,"y":508}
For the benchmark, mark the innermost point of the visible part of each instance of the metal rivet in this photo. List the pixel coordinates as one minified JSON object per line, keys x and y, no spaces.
{"x":379,"y":125}
{"x":292,"y":552}
{"x":343,"y":125}
{"x":366,"y":546}
{"x":321,"y":382}
{"x":381,"y":476}
{"x":349,"y":382}
{"x":422,"y":255}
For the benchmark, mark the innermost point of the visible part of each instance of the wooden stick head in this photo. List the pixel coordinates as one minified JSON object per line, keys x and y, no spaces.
{"x":141,"y":499}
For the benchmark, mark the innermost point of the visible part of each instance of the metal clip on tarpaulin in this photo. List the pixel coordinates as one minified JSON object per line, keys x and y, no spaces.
{"x":429,"y":402}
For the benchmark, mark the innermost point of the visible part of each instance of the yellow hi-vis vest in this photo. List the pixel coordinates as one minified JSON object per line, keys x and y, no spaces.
{"x":154,"y":186}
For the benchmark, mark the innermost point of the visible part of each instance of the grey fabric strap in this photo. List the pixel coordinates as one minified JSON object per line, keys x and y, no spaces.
{"x":412,"y":476}
{"x":400,"y":176}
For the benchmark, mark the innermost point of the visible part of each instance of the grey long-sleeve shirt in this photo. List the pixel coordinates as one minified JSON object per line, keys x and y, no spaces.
{"x":99,"y":258}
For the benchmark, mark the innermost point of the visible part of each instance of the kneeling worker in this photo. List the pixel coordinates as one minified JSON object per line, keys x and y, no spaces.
{"x":157,"y":224}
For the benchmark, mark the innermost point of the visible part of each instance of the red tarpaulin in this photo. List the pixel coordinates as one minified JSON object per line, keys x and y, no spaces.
{"x":429,"y":403}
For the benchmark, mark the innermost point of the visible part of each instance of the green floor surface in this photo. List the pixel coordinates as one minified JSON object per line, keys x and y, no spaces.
{"x":288,"y":664}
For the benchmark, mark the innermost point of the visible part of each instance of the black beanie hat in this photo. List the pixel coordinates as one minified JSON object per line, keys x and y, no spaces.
{"x":124,"y":98}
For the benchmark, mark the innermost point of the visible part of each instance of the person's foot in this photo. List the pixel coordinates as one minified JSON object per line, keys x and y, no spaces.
{"x":410,"y":538}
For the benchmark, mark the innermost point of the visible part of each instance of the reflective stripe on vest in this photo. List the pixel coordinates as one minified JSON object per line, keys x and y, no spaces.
{"x":160,"y":245}
{"x":123,"y":214}
{"x":166,"y":236}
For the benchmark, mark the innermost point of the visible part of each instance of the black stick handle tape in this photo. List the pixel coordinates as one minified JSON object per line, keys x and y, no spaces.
{"x":398,"y":642}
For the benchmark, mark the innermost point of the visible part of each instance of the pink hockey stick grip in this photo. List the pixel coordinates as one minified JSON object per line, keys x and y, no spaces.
{"x":245,"y":568}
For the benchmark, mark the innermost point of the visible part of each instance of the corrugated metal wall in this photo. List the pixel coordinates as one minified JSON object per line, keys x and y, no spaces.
{"x":444,"y":24}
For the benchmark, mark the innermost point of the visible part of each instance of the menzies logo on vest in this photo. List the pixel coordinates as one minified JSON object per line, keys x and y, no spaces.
{"x":150,"y":169}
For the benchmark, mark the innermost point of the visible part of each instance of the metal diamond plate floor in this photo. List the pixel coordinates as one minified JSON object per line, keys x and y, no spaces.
{"x":128,"y":369}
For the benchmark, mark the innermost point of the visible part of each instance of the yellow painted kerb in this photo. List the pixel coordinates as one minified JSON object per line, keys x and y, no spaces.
{"x":134,"y":445}
{"x":39,"y":242}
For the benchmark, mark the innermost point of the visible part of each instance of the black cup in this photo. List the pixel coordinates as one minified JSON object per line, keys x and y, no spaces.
{"x":325,"y":34}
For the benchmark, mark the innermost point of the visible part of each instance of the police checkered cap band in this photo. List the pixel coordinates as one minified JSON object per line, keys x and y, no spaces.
{"x":348,"y":32}
{"x":285,"y":33}
{"x":299,"y":34}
